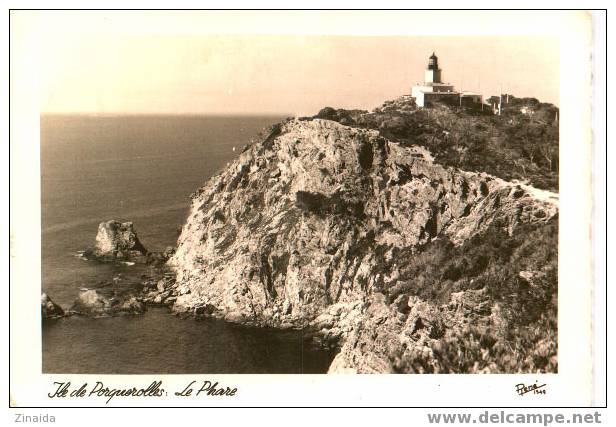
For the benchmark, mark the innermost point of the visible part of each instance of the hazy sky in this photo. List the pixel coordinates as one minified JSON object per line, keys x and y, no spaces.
{"x":132,"y":72}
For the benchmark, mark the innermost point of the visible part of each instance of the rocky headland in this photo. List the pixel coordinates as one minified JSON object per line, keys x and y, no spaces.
{"x":352,"y":227}
{"x":364,"y":240}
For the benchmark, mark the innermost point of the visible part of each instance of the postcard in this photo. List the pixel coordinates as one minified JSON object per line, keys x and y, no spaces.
{"x":301,"y":208}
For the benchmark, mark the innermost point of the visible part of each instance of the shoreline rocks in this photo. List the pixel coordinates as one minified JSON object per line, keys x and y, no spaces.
{"x":92,"y":302}
{"x":49,"y":309}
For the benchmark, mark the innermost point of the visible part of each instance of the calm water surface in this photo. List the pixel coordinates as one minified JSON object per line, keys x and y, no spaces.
{"x":142,"y":169}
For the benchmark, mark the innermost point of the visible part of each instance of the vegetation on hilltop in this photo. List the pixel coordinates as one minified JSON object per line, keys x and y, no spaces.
{"x":520,"y":144}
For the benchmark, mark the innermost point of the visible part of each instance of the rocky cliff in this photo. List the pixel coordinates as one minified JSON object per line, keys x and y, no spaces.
{"x":325,"y":226}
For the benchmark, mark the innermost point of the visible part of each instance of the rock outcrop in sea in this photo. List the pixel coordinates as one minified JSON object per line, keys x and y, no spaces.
{"x":360,"y":240}
{"x":49,"y":309}
{"x":118,"y":242}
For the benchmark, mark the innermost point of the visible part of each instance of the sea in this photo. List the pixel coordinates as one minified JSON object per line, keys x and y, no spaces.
{"x":143,"y":169}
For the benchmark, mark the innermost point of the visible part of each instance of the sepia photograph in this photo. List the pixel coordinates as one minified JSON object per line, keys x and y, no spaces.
{"x":415,"y":234}
{"x":254,"y":202}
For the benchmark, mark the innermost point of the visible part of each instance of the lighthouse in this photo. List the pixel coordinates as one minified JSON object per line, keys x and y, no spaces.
{"x":433,"y":73}
{"x":433,"y":89}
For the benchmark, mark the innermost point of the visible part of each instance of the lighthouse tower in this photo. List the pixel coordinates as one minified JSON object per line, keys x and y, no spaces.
{"x":433,"y":73}
{"x":433,"y":89}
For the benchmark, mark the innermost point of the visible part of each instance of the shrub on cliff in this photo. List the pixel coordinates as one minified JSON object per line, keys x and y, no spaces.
{"x":473,"y":349}
{"x":493,"y":260}
{"x":519,"y":274}
{"x":345,"y":117}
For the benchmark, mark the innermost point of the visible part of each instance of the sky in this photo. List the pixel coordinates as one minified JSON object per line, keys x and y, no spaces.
{"x":118,"y":65}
